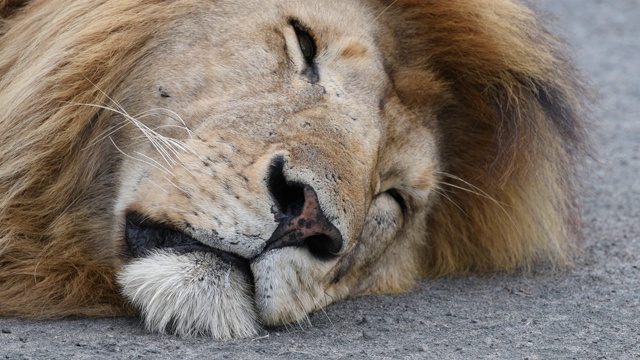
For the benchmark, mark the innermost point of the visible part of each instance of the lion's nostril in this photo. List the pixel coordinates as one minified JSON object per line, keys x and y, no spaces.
{"x":289,"y":197}
{"x":323,"y":246}
{"x":302,"y":221}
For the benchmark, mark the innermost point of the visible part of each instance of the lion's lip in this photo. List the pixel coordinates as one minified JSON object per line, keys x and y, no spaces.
{"x":144,"y":235}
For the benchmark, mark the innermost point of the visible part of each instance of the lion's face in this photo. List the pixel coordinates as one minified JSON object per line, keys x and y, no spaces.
{"x":270,"y":167}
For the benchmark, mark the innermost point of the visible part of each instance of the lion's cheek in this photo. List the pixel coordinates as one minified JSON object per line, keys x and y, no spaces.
{"x":190,"y":294}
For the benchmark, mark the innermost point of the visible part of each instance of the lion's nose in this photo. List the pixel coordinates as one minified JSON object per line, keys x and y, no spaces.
{"x":302,"y":221}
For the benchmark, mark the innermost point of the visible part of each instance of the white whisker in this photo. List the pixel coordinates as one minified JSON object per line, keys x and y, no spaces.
{"x":158,"y":165}
{"x":168,"y":148}
{"x":302,"y":308}
{"x":385,"y":9}
{"x":476,"y":191}
{"x":443,"y":193}
{"x":321,"y":307}
{"x":107,"y":133}
{"x":176,"y":186}
{"x":472,"y":188}
{"x":154,"y":183}
{"x":134,"y":158}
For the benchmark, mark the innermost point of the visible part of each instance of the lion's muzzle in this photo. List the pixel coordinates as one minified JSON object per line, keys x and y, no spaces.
{"x":187,"y":278}
{"x":297,"y":210}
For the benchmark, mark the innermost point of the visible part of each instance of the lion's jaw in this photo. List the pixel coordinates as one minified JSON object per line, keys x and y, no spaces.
{"x":263,"y":138}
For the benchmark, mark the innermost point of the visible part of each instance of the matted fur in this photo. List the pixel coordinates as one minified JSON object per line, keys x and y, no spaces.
{"x":508,"y":126}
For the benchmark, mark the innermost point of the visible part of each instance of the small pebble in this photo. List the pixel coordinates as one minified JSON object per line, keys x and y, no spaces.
{"x":6,"y":331}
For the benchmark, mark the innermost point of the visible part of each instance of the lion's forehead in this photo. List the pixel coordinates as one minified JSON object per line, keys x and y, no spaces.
{"x":211,"y":66}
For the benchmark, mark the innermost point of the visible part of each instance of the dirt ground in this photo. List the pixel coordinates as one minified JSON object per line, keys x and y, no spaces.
{"x":590,"y":312}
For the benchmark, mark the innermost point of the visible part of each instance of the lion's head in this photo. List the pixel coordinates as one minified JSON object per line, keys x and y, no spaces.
{"x":227,"y":164}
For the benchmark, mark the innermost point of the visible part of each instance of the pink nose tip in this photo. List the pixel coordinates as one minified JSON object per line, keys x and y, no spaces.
{"x":310,"y":229}
{"x":302,"y":221}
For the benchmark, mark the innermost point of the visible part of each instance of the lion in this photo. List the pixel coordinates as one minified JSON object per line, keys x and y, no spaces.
{"x":217,"y":167}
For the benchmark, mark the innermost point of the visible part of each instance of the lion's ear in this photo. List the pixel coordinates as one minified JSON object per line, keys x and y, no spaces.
{"x":9,"y":7}
{"x":510,"y":133}
{"x":420,"y":88}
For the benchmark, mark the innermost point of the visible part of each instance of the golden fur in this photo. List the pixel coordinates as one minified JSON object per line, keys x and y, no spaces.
{"x":484,"y":77}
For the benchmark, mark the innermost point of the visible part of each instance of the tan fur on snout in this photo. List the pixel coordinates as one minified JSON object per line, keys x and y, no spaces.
{"x":436,"y":137}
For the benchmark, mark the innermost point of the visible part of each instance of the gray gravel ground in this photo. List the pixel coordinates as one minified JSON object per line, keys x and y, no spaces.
{"x":590,"y":312}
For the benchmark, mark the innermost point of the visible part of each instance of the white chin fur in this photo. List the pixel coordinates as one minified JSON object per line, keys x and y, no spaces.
{"x":190,"y":294}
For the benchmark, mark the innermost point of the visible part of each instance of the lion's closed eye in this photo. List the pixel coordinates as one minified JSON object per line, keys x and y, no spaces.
{"x":305,"y":40}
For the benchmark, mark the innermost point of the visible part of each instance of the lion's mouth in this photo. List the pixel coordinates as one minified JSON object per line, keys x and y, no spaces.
{"x":144,"y":235}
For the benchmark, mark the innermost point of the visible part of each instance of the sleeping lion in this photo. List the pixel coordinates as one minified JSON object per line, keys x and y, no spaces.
{"x":219,"y":166}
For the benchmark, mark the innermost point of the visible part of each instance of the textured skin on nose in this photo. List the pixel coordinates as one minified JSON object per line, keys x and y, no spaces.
{"x":311,"y":222}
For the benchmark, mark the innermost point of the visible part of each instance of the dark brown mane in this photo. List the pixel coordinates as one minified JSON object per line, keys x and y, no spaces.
{"x":512,"y":133}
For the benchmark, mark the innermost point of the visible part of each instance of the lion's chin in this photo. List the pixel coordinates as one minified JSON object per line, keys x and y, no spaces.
{"x":190,"y":294}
